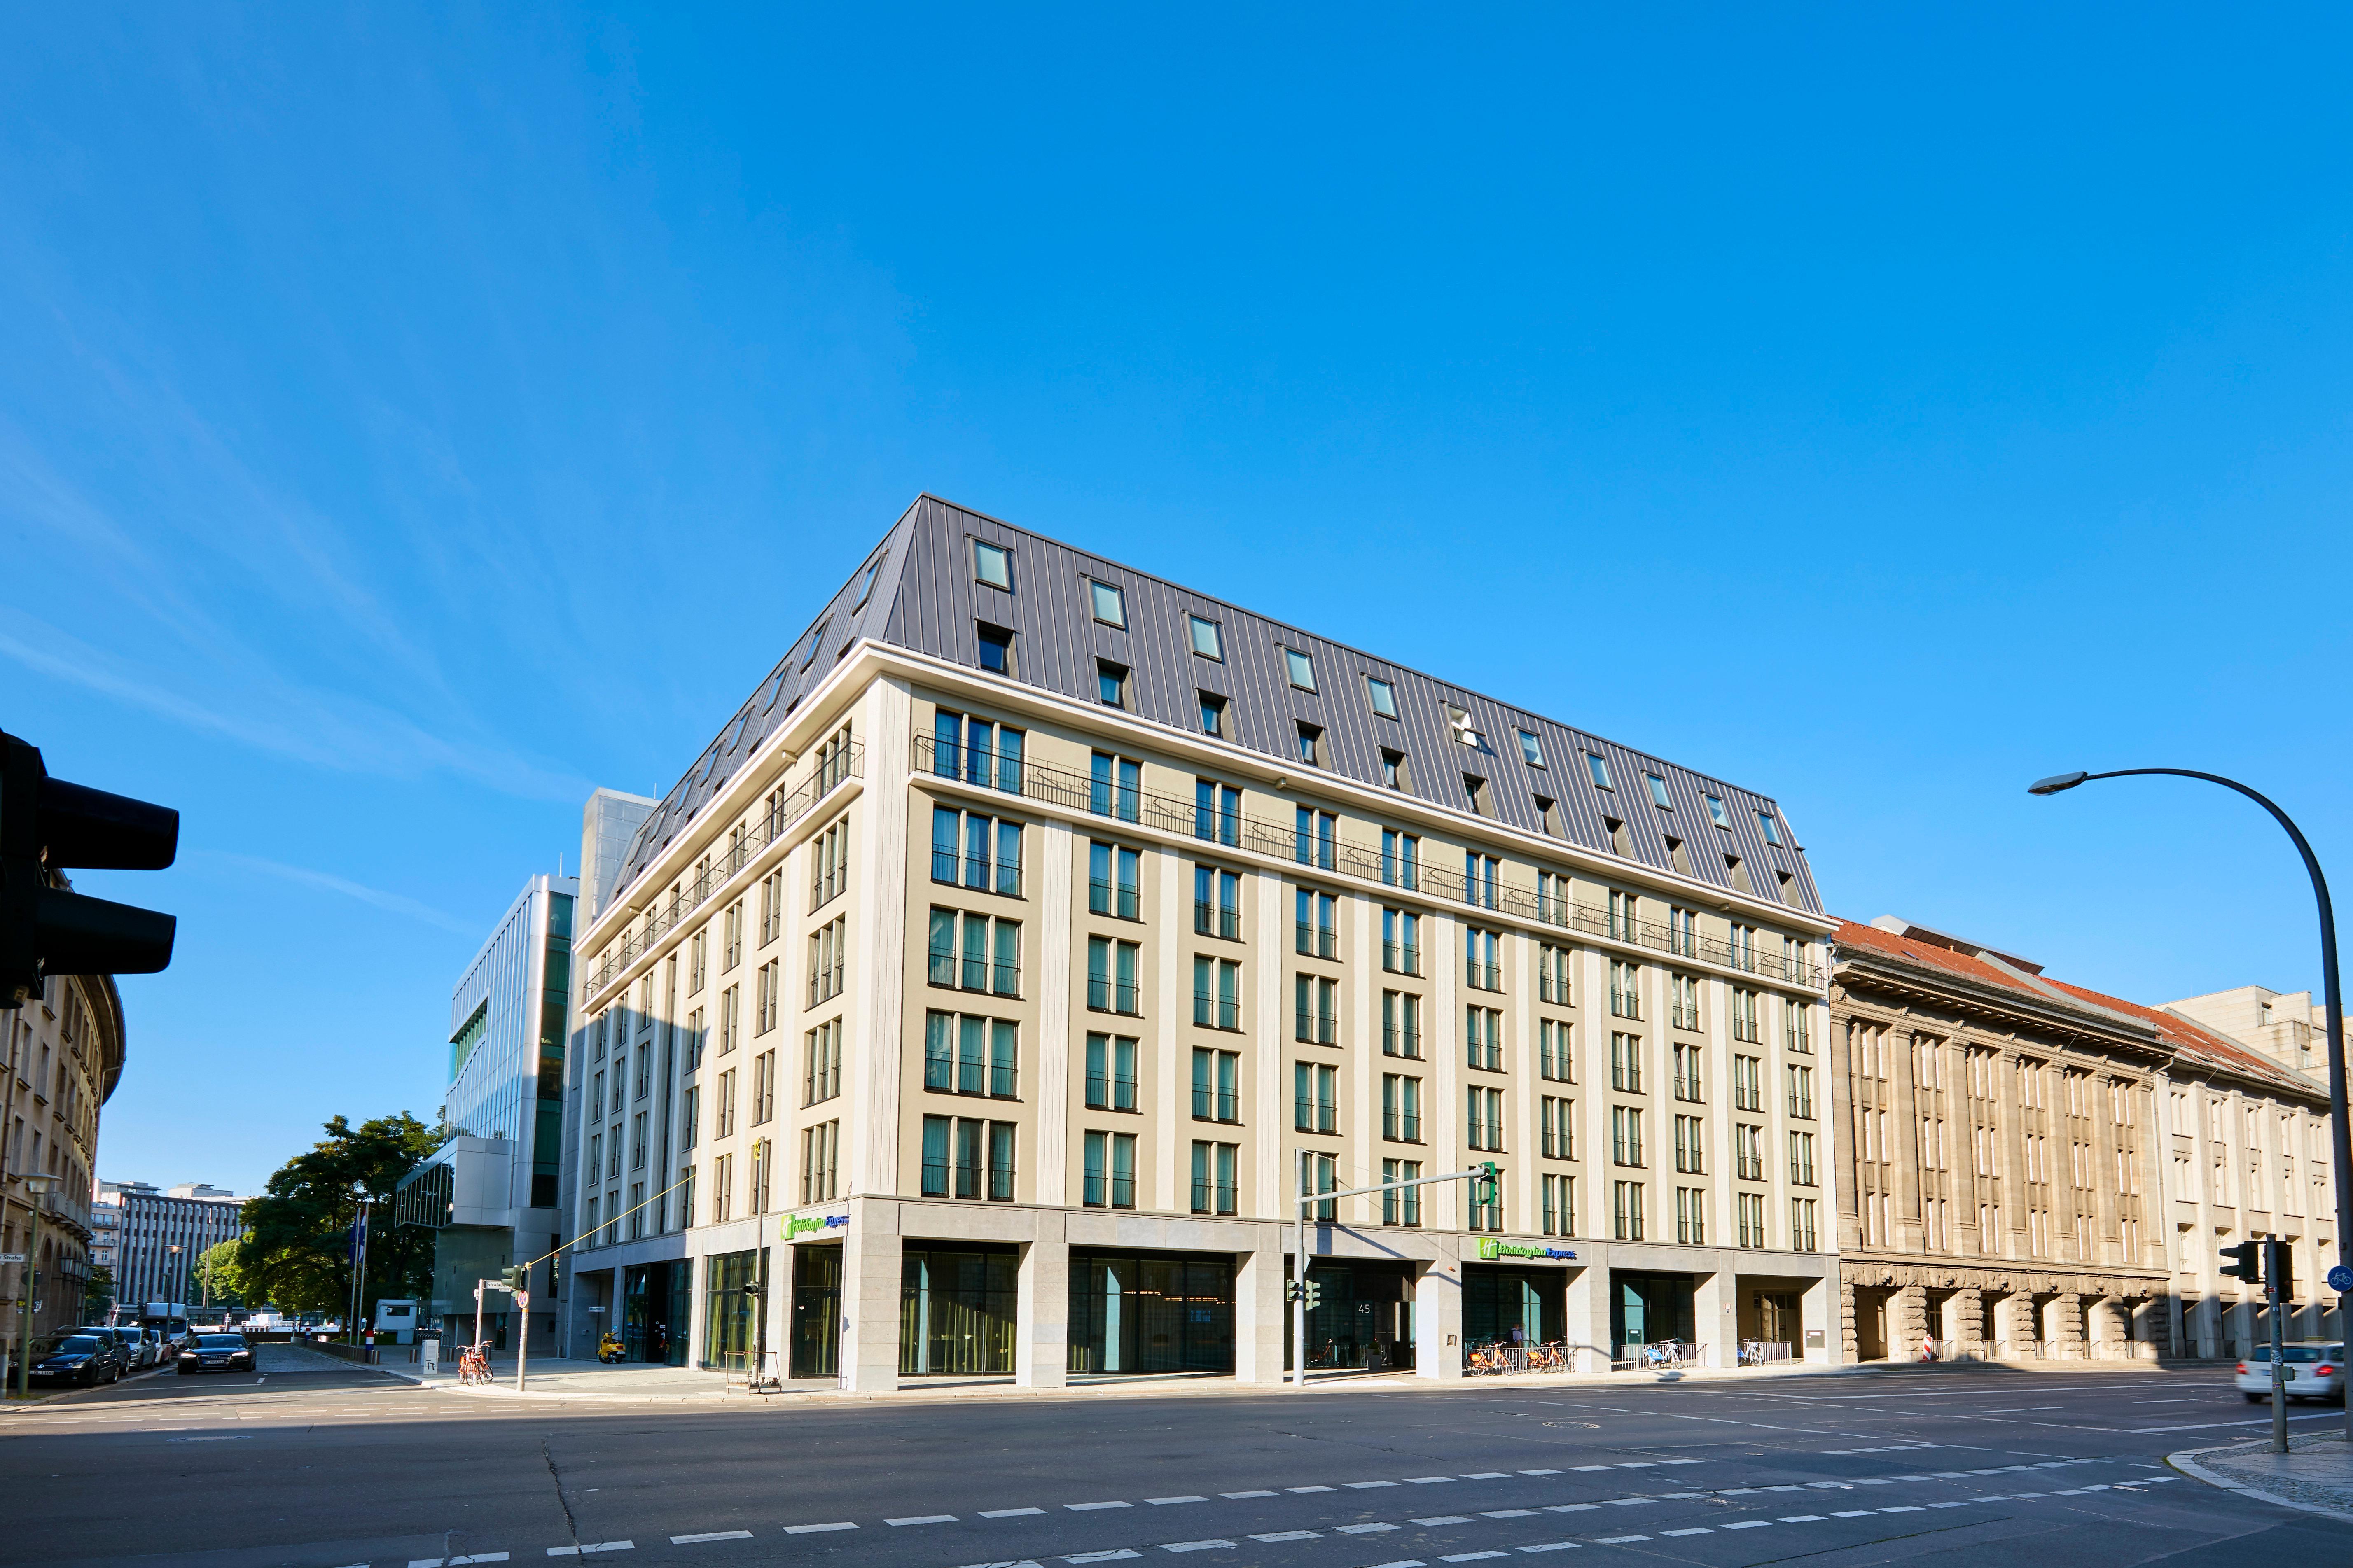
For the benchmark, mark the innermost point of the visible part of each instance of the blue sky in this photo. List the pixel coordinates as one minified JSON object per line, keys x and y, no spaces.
{"x":411,"y":419}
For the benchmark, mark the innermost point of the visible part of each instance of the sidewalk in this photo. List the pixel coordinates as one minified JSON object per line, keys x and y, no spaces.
{"x":636,"y":1384}
{"x":2315,"y":1475}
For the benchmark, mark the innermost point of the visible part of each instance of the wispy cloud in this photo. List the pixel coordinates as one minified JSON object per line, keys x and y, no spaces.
{"x":327,"y":730}
{"x":392,"y":903}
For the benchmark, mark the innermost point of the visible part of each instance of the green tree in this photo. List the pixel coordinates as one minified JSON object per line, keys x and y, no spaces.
{"x":219,"y":1279}
{"x":295,"y":1253}
{"x":97,"y":1294}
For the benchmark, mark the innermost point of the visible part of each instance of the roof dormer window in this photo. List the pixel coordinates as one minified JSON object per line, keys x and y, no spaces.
{"x":1531,"y":750}
{"x":1715,"y":812}
{"x":1110,"y":604}
{"x":1302,"y":667}
{"x":1383,"y":695}
{"x":1464,"y":734}
{"x":1206,"y":642}
{"x":1600,"y":770}
{"x":992,"y":564}
{"x":1772,"y":828}
{"x":1659,"y":792}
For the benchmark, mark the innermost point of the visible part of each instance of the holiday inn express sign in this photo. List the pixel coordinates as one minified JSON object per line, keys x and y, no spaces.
{"x":1491,"y":1249}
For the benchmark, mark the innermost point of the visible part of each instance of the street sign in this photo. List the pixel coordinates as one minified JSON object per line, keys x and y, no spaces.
{"x":2340,"y":1278}
{"x":11,"y":1257}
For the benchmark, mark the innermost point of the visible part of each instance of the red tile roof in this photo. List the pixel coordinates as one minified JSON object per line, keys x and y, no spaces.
{"x":2192,"y":1043}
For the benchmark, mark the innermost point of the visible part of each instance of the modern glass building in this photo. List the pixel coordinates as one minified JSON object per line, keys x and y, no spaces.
{"x":494,"y":1191}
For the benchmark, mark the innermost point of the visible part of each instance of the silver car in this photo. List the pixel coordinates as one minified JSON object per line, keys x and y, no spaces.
{"x":2316,"y":1370}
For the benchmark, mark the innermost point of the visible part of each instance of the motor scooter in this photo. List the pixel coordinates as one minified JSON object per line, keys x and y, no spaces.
{"x":608,"y":1349}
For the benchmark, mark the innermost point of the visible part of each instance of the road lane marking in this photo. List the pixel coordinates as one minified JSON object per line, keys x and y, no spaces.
{"x":1310,"y":1488}
{"x":1426,"y":1480}
{"x":1009,"y":1512}
{"x":711,"y":1535}
{"x":1508,"y":1513}
{"x":1748,"y":1524}
{"x":1092,"y":1507}
{"x":1245,"y":1494}
{"x":585,"y":1549}
{"x":1193,"y":1545}
{"x":1696,"y":1530}
{"x":923,"y":1519}
{"x":814,"y":1529}
{"x":1288,"y":1535}
{"x":1164,"y":1501}
{"x":1367,"y":1486}
{"x":1551,"y":1546}
{"x":1101,"y":1556}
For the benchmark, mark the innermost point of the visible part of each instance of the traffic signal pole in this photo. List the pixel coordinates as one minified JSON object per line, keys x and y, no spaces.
{"x":2275,"y":1287}
{"x":1298,"y":1287}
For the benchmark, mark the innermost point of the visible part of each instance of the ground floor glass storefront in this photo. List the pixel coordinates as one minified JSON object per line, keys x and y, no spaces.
{"x":734,"y":1285}
{"x":1363,"y":1317}
{"x":1514,"y":1306}
{"x":816,"y":1312}
{"x":1142,"y":1313}
{"x":957,"y":1311}
{"x":1648,"y":1309}
{"x":653,"y":1312}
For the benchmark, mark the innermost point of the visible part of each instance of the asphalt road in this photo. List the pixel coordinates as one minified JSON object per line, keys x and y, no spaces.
{"x":329,"y":1469}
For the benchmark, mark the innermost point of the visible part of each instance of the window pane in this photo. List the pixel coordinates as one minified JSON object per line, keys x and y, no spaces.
{"x":1206,"y":640}
{"x":1303,"y":668}
{"x":991,"y":564}
{"x":1109,"y":607}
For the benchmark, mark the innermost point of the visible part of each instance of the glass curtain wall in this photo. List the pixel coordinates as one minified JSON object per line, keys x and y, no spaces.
{"x":956,"y":1312}
{"x":732,"y":1291}
{"x":1143,"y":1314}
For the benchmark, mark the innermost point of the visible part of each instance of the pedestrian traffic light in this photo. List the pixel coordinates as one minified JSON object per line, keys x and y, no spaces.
{"x":2239,"y":1262}
{"x":48,"y":826}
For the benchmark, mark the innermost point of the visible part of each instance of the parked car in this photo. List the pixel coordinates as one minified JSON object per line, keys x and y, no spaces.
{"x":216,"y":1352}
{"x":2316,"y":1370}
{"x":138,"y":1347}
{"x":87,"y":1356}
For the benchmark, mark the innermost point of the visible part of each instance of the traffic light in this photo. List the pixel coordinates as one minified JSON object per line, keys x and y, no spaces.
{"x":2239,"y":1262}
{"x":48,"y":825}
{"x":518,"y":1278}
{"x":1483,"y":1188}
{"x":1314,"y":1296}
{"x":2279,"y":1268}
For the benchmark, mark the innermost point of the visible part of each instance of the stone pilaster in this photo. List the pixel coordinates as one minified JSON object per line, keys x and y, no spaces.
{"x":2069,"y":1339}
{"x":1969,"y":1306}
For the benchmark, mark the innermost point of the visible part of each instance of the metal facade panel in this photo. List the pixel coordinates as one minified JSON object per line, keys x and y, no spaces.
{"x":927,"y":599}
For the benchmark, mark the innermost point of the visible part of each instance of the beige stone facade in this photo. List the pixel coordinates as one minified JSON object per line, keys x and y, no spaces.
{"x":2026,"y":1160}
{"x":63,"y":1054}
{"x":993,"y":1012}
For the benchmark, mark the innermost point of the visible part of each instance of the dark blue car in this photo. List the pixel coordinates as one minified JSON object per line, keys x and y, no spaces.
{"x":84,"y":1358}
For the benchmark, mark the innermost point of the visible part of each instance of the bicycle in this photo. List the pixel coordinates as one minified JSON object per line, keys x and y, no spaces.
{"x":1664,"y":1354}
{"x":1487,"y":1360}
{"x":1752,"y":1352}
{"x":473,"y":1366}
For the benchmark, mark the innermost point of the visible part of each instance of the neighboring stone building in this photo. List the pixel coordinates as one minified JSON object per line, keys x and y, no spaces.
{"x":64,"y":1056}
{"x":2025,"y":1160}
{"x":979,"y":1000}
{"x":2291,"y":1028}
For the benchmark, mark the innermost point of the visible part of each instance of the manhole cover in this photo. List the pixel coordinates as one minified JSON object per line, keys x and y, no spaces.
{"x":1578,"y":1426}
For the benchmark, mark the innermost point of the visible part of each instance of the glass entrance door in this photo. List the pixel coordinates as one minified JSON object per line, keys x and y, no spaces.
{"x":816,"y":1312}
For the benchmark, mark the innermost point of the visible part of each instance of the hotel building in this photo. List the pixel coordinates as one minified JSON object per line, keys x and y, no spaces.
{"x":981,"y":998}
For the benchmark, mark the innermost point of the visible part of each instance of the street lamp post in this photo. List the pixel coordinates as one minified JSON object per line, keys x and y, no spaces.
{"x":37,"y":1188}
{"x":2340,"y":1127}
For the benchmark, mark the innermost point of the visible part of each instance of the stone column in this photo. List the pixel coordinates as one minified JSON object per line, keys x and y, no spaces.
{"x":1259,"y":1310}
{"x":1042,"y":1337}
{"x":1852,"y":1348}
{"x":1715,"y":1320}
{"x":871,"y":1253}
{"x":1815,"y":1304}
{"x":1968,"y":1308}
{"x":1585,"y":1319}
{"x":2069,"y":1310}
{"x":1907,"y":1321}
{"x":1438,"y":1320}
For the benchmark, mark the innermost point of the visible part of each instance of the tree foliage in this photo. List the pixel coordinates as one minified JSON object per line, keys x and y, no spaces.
{"x":218,"y":1278}
{"x":97,"y":1294}
{"x":295,"y":1253}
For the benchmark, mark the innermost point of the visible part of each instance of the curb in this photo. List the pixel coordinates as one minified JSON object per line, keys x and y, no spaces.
{"x":1176,"y":1389}
{"x":2187,"y":1463}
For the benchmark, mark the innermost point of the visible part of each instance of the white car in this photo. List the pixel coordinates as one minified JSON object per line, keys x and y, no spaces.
{"x":2316,"y":1370}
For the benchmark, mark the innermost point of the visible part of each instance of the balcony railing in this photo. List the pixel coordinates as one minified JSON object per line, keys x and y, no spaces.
{"x":1209,"y":920}
{"x":1105,"y":899}
{"x":833,"y":766}
{"x":1318,"y":942}
{"x":1015,"y":774}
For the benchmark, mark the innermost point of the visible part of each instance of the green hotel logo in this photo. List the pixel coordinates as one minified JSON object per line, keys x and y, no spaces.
{"x":1491,"y":1249}
{"x":804,"y":1225}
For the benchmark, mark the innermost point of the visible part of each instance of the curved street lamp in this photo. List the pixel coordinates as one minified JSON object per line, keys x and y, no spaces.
{"x":2340,"y":1129}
